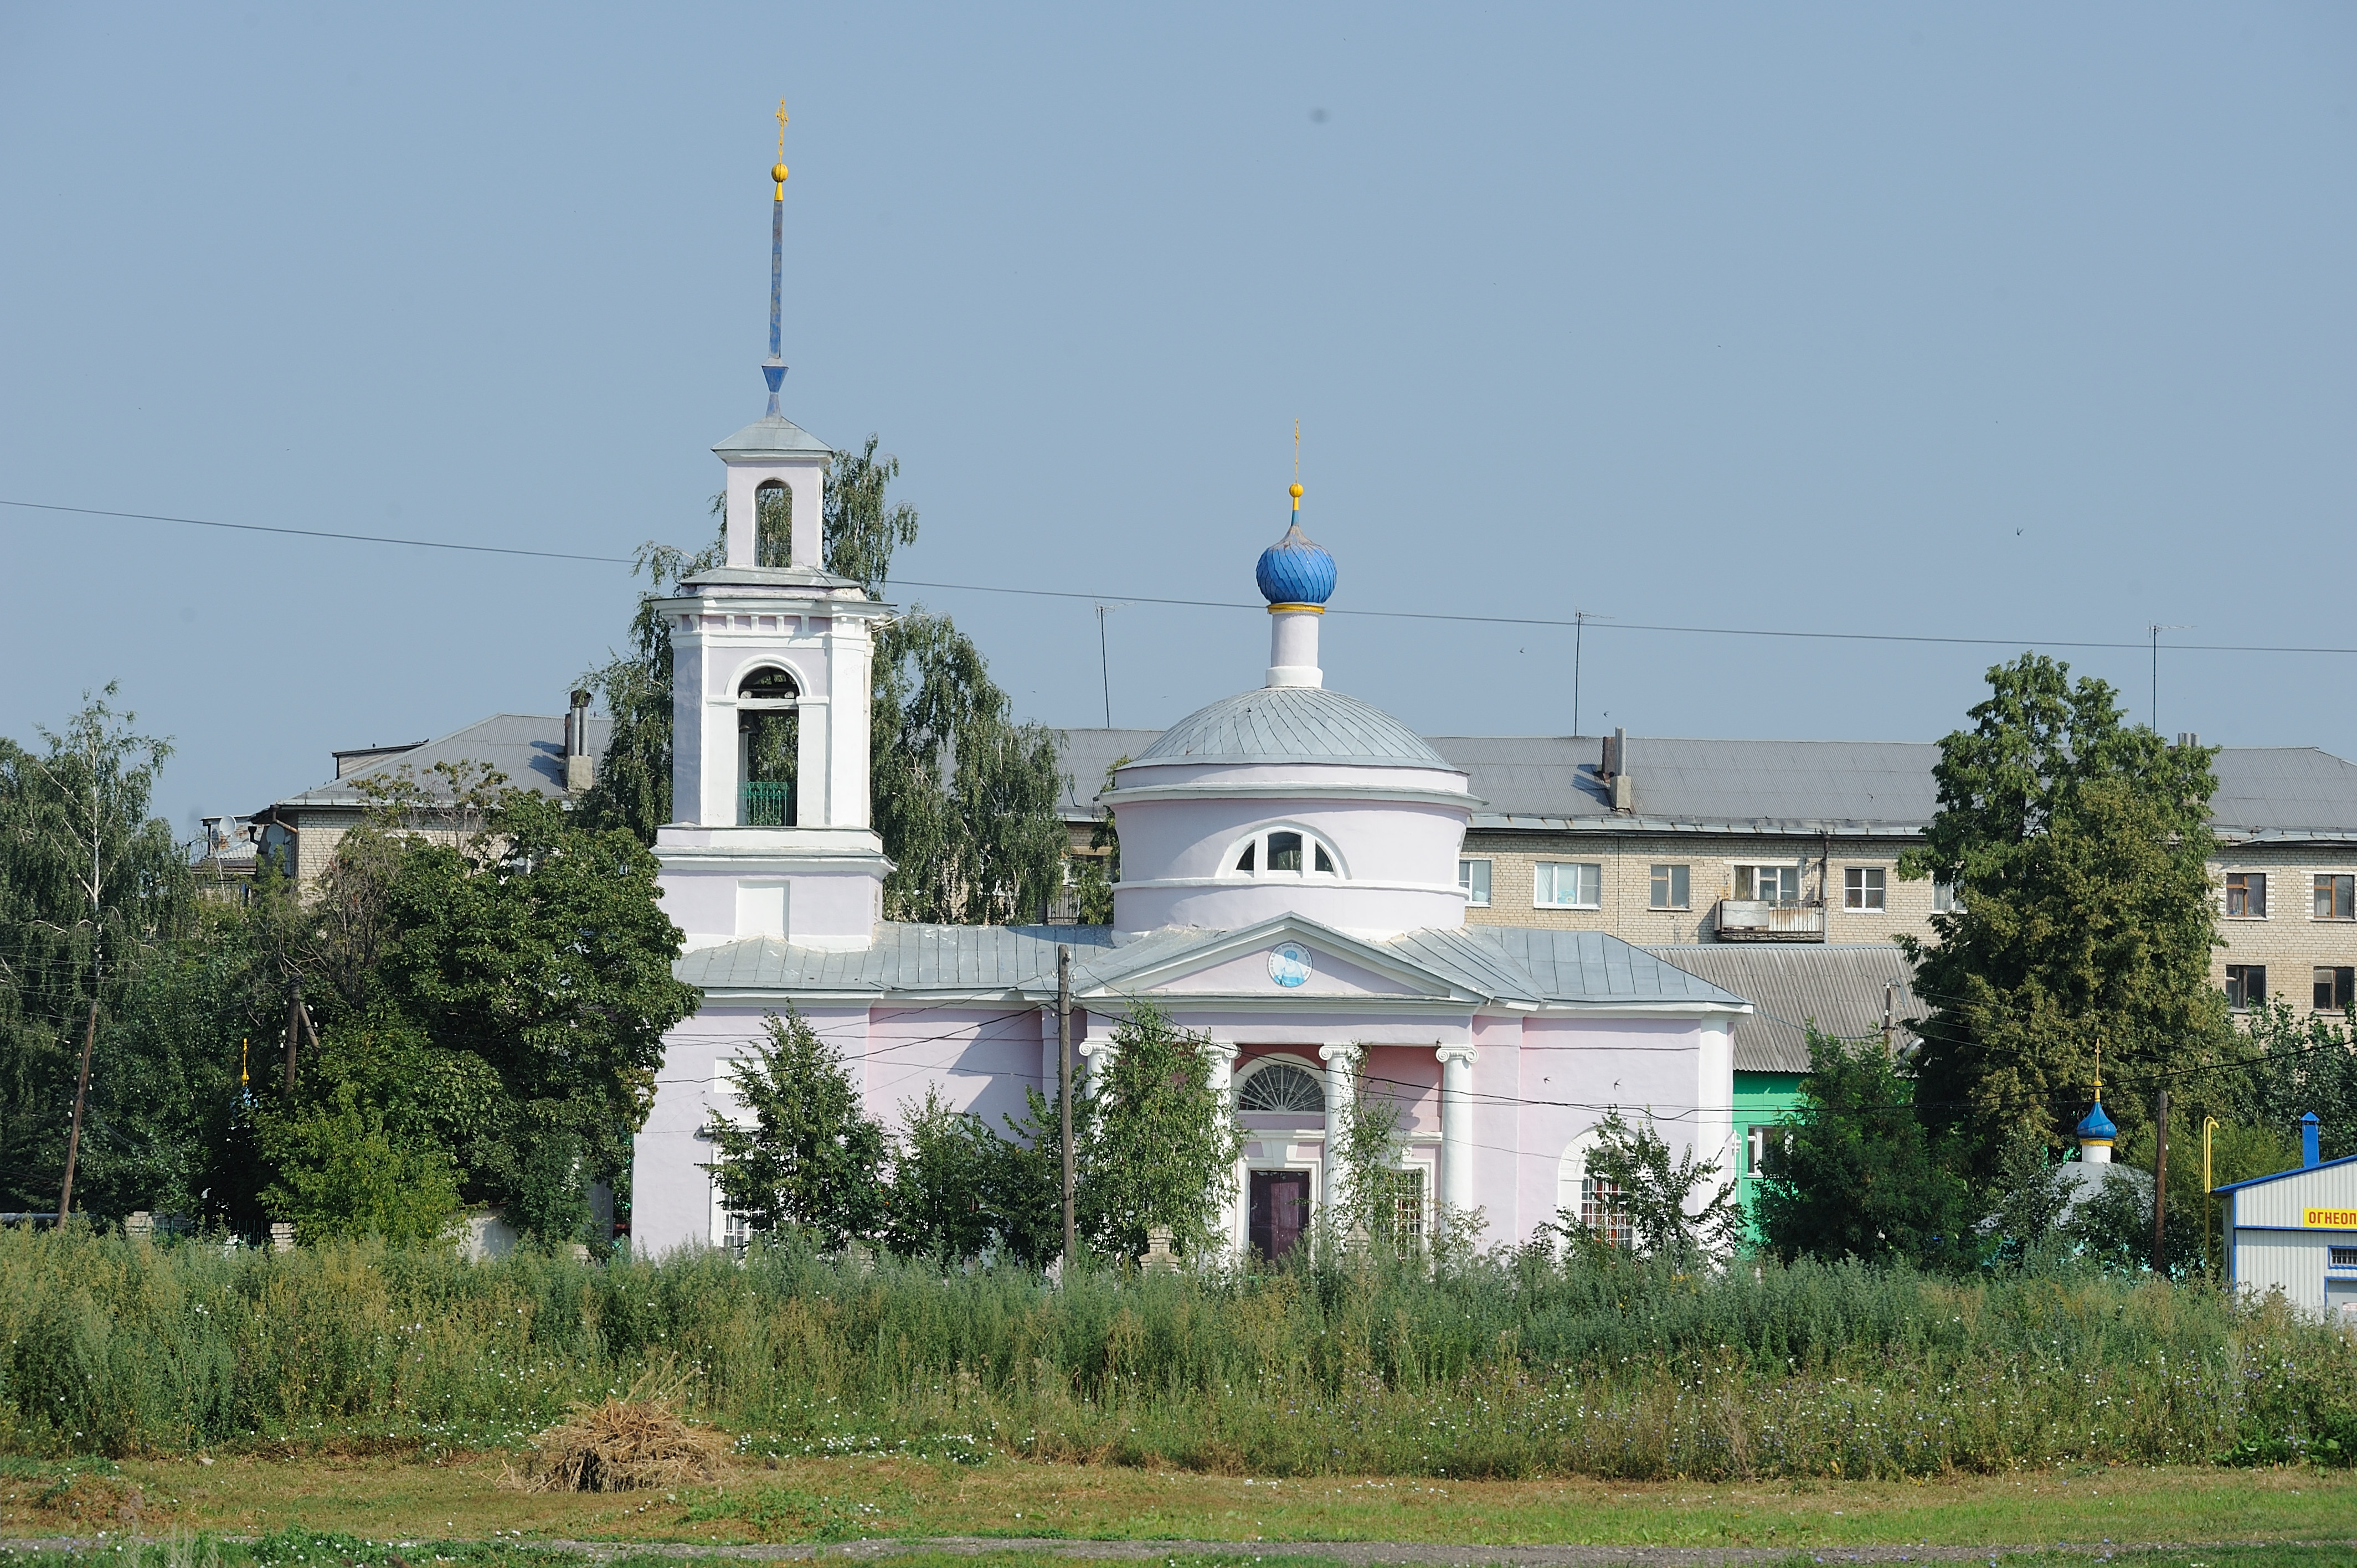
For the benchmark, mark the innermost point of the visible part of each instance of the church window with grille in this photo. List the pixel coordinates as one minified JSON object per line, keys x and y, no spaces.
{"x":1281,"y":1087}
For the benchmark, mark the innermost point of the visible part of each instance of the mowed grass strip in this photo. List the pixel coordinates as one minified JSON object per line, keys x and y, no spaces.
{"x":296,"y":1548}
{"x":472,"y":1497}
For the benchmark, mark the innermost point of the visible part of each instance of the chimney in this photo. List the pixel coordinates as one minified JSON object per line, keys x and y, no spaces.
{"x":1615,"y":771}
{"x":580,"y":767}
{"x":2187,"y":740}
{"x":2309,"y":1155}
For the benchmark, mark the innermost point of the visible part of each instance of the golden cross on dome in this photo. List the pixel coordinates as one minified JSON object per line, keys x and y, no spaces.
{"x":779,"y":173}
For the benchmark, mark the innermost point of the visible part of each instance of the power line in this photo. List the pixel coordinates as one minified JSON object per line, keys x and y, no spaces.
{"x":1574,"y":625}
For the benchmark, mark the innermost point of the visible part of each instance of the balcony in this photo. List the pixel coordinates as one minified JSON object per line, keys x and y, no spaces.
{"x":765,"y":805}
{"x":1770,"y":920}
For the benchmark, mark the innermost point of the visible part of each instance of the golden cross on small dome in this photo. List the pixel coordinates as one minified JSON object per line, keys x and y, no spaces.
{"x":779,"y":173}
{"x":1295,"y":489}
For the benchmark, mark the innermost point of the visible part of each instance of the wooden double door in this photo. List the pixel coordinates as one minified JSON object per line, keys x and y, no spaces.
{"x":1280,"y":1212}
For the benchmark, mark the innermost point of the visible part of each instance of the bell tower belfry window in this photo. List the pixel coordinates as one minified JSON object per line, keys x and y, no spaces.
{"x":772,"y":662}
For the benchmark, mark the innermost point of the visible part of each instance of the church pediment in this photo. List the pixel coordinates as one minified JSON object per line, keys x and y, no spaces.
{"x":1278,"y":958}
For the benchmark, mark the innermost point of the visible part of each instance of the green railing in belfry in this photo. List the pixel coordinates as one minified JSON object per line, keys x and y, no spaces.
{"x":760,"y":805}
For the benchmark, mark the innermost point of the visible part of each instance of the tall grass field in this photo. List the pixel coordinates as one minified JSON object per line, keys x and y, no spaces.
{"x":1501,"y":1368}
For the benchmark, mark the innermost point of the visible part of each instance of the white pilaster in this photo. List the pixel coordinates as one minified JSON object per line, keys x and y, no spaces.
{"x":1455,"y":1128}
{"x":1221,"y":1055}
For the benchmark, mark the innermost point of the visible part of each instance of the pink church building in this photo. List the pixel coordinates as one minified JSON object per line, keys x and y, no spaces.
{"x":1288,"y":890}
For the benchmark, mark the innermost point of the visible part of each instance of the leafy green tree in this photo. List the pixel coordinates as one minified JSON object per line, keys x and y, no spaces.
{"x":1023,"y":1180}
{"x":965,"y":799}
{"x":1094,"y":874}
{"x":93,"y":894}
{"x":1675,"y":1214}
{"x":2078,"y":846}
{"x":937,"y":1200}
{"x":810,"y":1157}
{"x":1374,"y":1140}
{"x":2293,"y":1063}
{"x":342,"y":1171}
{"x":2026,"y":1198}
{"x":1161,"y":1149}
{"x":1857,"y":1174}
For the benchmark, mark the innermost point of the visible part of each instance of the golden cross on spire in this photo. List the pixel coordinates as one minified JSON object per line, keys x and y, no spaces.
{"x":1295,"y":490}
{"x":779,"y":173}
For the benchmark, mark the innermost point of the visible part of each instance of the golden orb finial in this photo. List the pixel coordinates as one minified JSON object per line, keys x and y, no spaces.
{"x":1294,"y":489}
{"x":778,"y":174}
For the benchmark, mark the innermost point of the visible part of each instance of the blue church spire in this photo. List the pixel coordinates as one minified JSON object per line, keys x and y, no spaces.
{"x":773,"y":369}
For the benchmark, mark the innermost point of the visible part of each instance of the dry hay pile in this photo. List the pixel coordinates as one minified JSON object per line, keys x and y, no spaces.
{"x":622,"y":1446}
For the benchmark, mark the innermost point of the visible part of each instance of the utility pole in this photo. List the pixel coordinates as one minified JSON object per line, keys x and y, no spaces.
{"x":2160,"y":1187}
{"x":89,"y":1031}
{"x":1889,"y":1008}
{"x":1064,"y":1085}
{"x":2209,"y":1126}
{"x":1579,"y":643}
{"x":1104,"y":665}
{"x":81,"y":1089}
{"x":294,"y":1028}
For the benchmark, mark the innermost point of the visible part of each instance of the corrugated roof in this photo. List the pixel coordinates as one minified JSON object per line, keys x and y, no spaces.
{"x":1292,"y":723}
{"x":1497,"y":963}
{"x":1838,"y":985}
{"x":1791,"y":785}
{"x":528,"y":747}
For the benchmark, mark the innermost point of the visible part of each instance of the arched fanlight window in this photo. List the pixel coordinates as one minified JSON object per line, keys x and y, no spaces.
{"x":1281,"y":1087}
{"x":1283,"y":852}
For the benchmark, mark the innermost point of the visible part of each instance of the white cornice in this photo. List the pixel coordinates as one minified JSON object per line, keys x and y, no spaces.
{"x":1304,"y":789}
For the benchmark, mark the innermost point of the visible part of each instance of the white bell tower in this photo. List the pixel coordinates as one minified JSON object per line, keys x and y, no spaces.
{"x":770,"y":678}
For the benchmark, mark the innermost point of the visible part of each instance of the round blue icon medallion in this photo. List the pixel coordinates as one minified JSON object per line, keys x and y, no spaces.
{"x":1288,"y":964}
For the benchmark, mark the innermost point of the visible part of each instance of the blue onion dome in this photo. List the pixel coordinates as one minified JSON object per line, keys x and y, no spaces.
{"x":2097,"y":1127}
{"x":1294,"y":571}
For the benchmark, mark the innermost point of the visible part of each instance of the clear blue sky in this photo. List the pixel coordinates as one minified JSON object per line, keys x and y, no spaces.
{"x":2025,"y":321}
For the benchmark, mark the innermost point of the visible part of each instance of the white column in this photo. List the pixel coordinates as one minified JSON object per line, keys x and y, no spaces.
{"x":1340,"y":1059}
{"x":1455,"y":1127}
{"x":1222,"y":1056}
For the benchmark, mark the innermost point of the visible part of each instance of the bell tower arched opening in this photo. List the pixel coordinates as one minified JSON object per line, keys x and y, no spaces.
{"x":769,"y":737}
{"x":773,"y":524}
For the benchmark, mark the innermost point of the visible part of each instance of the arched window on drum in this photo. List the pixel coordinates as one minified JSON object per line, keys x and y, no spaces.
{"x":1283,"y":852}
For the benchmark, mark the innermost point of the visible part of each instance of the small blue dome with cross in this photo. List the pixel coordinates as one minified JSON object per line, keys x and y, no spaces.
{"x":2096,"y":1127}
{"x":1294,"y":569}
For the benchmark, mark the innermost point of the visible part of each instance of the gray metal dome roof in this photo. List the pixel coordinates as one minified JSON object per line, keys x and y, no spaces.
{"x":1293,"y":724}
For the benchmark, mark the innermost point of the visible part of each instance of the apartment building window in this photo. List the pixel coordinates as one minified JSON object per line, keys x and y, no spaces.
{"x":1862,"y":888}
{"x":1772,"y":884}
{"x":2246,"y":985}
{"x":2335,"y":988}
{"x":1473,"y":875}
{"x":2335,"y":897}
{"x":1567,"y":885}
{"x":1943,"y":897}
{"x":2246,"y":895}
{"x":1672,"y":889}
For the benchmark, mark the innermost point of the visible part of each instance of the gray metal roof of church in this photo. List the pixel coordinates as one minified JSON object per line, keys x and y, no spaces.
{"x":1882,"y":787}
{"x":1292,"y":723}
{"x":774,"y":435}
{"x":1502,"y":964}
